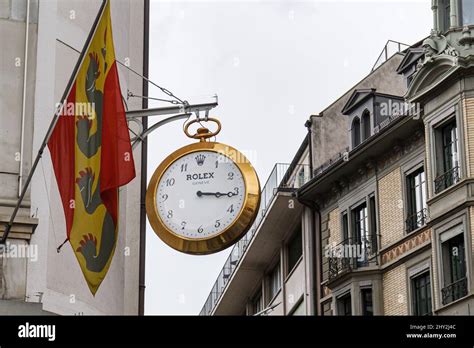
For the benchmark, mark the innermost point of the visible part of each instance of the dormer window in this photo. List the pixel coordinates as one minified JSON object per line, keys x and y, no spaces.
{"x":366,"y":125}
{"x":368,"y":111}
{"x":408,"y":64}
{"x":355,"y":131}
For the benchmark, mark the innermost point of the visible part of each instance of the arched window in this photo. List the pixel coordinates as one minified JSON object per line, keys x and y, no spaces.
{"x":365,"y":125}
{"x":355,"y":132}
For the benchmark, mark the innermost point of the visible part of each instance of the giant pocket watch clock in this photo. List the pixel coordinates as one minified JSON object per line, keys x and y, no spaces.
{"x":204,"y":196}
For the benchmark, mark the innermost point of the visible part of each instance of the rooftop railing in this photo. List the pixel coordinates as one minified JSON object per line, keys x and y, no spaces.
{"x":282,"y":178}
{"x":390,"y":48}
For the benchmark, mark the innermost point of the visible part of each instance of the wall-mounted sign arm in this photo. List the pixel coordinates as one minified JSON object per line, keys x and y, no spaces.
{"x":181,"y":111}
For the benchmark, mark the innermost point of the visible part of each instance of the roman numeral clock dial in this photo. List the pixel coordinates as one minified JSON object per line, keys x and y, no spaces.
{"x":203,"y":197}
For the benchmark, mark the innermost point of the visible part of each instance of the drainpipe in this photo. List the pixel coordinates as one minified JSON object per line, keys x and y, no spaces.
{"x":318,"y":269}
{"x":315,"y":237}
{"x":315,"y":254}
{"x":308,"y":124}
{"x":144,"y":160}
{"x":23,"y":106}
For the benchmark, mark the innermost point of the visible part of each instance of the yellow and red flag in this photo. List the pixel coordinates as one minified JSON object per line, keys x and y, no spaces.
{"x":92,"y":155}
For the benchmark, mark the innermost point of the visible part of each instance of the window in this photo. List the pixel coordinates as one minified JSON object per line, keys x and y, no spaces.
{"x":274,"y":281}
{"x":295,"y":249}
{"x":358,"y":246}
{"x":345,"y":227}
{"x":366,"y":125}
{"x":416,"y":200}
{"x":454,"y":268}
{"x":301,"y":177}
{"x":450,"y":146}
{"x":410,"y":75}
{"x":421,"y":294}
{"x":355,"y":131}
{"x":367,"y":302}
{"x":257,"y":303}
{"x":467,"y":12}
{"x":360,"y":219}
{"x":448,"y":172}
{"x":344,"y":305}
{"x":360,"y":225}
{"x":445,"y":15}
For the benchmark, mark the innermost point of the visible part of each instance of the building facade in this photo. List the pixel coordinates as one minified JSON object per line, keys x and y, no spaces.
{"x":266,"y":271}
{"x":41,"y":43}
{"x":386,"y":213}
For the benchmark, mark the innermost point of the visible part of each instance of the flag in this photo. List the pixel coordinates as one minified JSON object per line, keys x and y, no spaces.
{"x":92,"y":155}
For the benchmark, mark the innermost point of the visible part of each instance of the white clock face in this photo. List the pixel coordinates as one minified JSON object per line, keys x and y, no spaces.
{"x":200,"y":195}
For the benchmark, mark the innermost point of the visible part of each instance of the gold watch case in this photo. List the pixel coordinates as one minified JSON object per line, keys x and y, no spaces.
{"x":232,"y":233}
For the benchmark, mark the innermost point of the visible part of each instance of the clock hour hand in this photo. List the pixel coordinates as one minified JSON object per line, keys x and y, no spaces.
{"x":216,"y":194}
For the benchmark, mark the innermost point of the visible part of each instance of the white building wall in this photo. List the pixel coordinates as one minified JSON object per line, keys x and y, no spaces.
{"x":55,"y":279}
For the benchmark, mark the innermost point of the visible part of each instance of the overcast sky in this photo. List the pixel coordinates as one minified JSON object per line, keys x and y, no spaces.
{"x":272,"y":64}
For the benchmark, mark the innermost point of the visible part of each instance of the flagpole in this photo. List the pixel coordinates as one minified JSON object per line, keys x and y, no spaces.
{"x":53,"y":122}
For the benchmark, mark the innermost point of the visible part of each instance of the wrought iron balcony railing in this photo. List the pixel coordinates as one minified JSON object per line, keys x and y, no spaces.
{"x":351,"y":254}
{"x":447,"y":179}
{"x":282,"y":178}
{"x":416,"y":220}
{"x":454,"y":291}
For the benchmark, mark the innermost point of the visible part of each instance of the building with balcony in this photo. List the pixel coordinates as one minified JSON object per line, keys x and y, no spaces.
{"x":393,"y":214}
{"x":386,"y":215}
{"x":266,"y":271}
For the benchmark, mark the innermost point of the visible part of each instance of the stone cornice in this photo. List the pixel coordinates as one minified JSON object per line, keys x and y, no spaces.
{"x":22,"y":228}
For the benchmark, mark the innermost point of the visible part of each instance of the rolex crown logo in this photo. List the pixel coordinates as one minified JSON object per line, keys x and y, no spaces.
{"x":200,"y":159}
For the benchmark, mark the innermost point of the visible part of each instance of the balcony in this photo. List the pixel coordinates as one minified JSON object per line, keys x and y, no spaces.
{"x":447,"y":179}
{"x":416,"y":220}
{"x":454,"y":291}
{"x":283,"y":178}
{"x":350,"y":255}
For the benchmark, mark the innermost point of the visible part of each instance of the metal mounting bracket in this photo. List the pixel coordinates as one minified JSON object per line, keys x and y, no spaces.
{"x":179,"y":112}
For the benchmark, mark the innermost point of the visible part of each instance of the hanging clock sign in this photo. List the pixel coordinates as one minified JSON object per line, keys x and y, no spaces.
{"x":204,"y":196}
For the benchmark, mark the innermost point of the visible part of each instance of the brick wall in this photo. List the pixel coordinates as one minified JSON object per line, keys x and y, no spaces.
{"x":391,"y":208}
{"x":334,"y":226}
{"x":395,"y":297}
{"x":468,"y":113}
